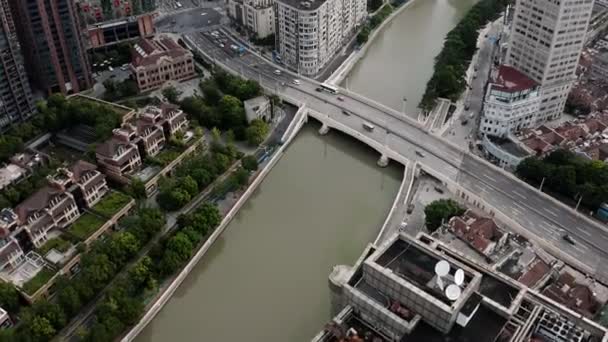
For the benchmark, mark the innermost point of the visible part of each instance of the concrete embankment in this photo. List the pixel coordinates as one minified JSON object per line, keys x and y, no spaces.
{"x":290,"y":133}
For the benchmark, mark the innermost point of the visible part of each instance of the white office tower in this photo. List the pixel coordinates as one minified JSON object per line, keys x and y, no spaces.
{"x":309,"y":33}
{"x":546,"y":40}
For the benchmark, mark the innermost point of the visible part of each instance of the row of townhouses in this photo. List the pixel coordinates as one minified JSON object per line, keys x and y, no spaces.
{"x":53,"y":207}
{"x":121,"y":155}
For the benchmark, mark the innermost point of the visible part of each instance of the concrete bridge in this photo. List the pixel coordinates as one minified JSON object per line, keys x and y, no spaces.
{"x":403,"y":139}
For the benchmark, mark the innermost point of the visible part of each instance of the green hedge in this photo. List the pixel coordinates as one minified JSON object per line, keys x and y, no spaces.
{"x":32,"y":285}
{"x":448,"y":80}
{"x":111,"y":203}
{"x":85,"y":225}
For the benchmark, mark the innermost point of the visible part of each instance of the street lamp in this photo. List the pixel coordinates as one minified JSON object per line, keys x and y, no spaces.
{"x":541,"y":185}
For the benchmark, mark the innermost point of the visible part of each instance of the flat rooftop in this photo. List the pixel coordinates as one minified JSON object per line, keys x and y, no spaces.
{"x":485,"y":326}
{"x":304,"y":5}
{"x":417,"y":266}
{"x":510,"y":146}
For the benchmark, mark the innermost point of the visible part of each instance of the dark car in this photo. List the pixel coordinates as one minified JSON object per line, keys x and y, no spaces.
{"x":345,"y":112}
{"x":568,"y":239}
{"x":439,"y":190}
{"x":319,"y":89}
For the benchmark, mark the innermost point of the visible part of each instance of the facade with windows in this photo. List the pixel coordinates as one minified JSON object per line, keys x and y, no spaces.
{"x":50,"y":33}
{"x":546,"y":40}
{"x":310,"y":33}
{"x":511,"y":103}
{"x":16,"y":102}
{"x":156,"y":61}
{"x":255,"y":15}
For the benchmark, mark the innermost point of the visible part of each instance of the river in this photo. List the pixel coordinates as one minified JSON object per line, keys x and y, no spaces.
{"x":399,"y":62}
{"x":265,"y":279}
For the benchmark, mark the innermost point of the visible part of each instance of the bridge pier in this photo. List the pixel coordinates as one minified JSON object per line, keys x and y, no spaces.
{"x":383,"y":161}
{"x":324,"y":129}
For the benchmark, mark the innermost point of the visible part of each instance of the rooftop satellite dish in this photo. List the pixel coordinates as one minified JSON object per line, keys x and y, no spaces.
{"x":452,"y":292}
{"x":442,"y":268}
{"x":459,"y":277}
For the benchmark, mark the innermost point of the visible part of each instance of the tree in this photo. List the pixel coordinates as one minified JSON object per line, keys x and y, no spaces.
{"x":232,"y":112}
{"x":141,"y":274}
{"x":440,"y":211}
{"x":257,"y":132}
{"x":123,"y":247}
{"x":137,"y":188}
{"x":374,"y":5}
{"x":171,"y":94}
{"x":250,"y":163}
{"x":9,"y":297}
{"x":188,"y":184}
{"x":40,"y":328}
{"x":180,"y":245}
{"x":241,"y":177}
{"x":210,"y":92}
{"x":69,"y":299}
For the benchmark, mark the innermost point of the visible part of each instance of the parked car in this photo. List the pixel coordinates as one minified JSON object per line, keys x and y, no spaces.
{"x":277,"y":72}
{"x":568,"y":239}
{"x":419,"y":154}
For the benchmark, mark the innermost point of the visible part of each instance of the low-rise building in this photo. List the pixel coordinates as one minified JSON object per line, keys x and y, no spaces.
{"x":120,"y":30}
{"x":83,"y":180}
{"x":480,"y":233}
{"x":151,"y":133}
{"x":599,"y":65}
{"x":5,"y":320}
{"x":575,"y":296}
{"x":310,"y":33}
{"x":20,"y":167}
{"x":175,"y":119}
{"x":258,"y":108}
{"x":119,"y":156}
{"x":48,"y":208}
{"x":511,"y":103}
{"x":257,"y":16}
{"x":159,"y":60}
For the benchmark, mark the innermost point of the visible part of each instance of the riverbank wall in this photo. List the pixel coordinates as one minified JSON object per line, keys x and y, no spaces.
{"x":344,"y":69}
{"x":289,"y":135}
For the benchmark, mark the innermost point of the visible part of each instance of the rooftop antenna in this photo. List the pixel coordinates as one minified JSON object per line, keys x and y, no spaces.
{"x":442,"y":268}
{"x":453,"y":292}
{"x":459,"y":277}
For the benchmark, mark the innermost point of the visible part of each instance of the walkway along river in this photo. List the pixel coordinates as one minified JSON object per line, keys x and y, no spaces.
{"x":399,"y":61}
{"x":265,"y":279}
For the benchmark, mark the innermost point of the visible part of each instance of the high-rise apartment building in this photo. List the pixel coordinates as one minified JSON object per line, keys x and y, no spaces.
{"x":16,"y":103}
{"x":310,"y":33}
{"x":546,"y":40}
{"x":50,"y":34}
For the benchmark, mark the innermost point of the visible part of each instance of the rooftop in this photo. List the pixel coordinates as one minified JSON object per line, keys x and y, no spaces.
{"x":150,"y":51}
{"x":511,"y":80}
{"x":417,"y":267}
{"x":303,"y":5}
{"x":485,"y":326}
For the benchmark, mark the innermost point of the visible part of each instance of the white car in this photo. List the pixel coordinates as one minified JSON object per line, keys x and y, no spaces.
{"x":277,"y":72}
{"x":402,"y":226}
{"x":296,"y":82}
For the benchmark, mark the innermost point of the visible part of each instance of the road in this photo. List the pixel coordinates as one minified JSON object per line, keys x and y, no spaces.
{"x":545,"y":219}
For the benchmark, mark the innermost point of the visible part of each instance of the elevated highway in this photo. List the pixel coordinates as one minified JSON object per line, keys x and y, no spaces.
{"x":397,"y":136}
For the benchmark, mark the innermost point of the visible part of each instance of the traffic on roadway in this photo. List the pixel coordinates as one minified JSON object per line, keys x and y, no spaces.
{"x":545,"y":219}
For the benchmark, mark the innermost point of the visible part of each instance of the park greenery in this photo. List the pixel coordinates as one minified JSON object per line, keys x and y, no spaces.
{"x":448,"y":80}
{"x":123,"y":303}
{"x":373,"y":23}
{"x":115,"y":91}
{"x":195,"y":174}
{"x":221,"y":106}
{"x":14,"y":194}
{"x":439,"y":212}
{"x":106,"y":258}
{"x":569,"y":175}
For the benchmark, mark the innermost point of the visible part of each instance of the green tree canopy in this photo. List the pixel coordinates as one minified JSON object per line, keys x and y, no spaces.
{"x":441,"y":211}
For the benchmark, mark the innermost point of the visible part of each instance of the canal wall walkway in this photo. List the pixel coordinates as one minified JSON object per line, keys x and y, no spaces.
{"x":344,"y":69}
{"x":398,"y":210}
{"x":290,"y":133}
